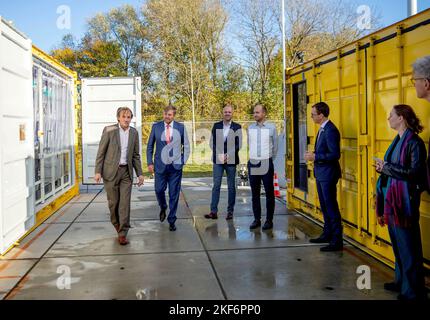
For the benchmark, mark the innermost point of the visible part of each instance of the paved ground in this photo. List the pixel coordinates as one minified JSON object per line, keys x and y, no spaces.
{"x":203,"y":259}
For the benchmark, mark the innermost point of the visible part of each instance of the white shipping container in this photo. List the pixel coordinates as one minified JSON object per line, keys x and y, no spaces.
{"x":16,"y":142}
{"x":101,"y":97}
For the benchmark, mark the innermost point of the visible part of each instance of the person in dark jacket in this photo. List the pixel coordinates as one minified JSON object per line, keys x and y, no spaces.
{"x":399,"y":188}
{"x":172,"y":150}
{"x":327,"y":173}
{"x":226,"y":141}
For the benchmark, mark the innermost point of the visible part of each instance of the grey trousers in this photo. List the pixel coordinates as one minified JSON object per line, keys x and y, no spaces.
{"x":119,"y":197}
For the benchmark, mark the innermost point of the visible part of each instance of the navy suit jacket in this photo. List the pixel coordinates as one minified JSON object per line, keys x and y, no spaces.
{"x":327,"y":154}
{"x":176,"y":153}
{"x":220,"y":146}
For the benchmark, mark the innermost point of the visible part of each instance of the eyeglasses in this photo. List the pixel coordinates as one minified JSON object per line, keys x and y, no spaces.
{"x":414,"y":79}
{"x":314,"y":114}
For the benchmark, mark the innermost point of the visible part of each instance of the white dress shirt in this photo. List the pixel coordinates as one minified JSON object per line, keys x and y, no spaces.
{"x":226,"y":129}
{"x":262,"y":141}
{"x":321,"y":128}
{"x":123,"y":137}
{"x":171,"y":130}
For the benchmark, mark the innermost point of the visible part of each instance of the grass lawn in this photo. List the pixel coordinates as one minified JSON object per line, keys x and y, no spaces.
{"x":191,"y":171}
{"x":198,"y":170}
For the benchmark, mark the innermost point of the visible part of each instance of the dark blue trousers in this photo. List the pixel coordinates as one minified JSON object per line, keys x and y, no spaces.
{"x":218,"y":171}
{"x":330,"y":209}
{"x":172,"y":178}
{"x":265,"y":176}
{"x":409,"y":270}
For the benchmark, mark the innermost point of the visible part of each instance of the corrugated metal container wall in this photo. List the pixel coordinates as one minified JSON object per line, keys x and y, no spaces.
{"x":361,"y":83}
{"x":16,"y":131}
{"x":101,"y":97}
{"x":38,"y":153}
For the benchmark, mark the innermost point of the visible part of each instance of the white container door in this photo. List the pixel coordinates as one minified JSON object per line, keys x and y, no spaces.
{"x":101,"y":97}
{"x":17,"y":141}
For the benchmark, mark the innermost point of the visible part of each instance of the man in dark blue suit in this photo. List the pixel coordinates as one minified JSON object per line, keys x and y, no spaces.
{"x":327,"y":173}
{"x":172,"y":150}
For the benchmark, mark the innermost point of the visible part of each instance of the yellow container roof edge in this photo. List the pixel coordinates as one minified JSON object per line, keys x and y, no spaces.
{"x":369,"y":36}
{"x":54,"y":62}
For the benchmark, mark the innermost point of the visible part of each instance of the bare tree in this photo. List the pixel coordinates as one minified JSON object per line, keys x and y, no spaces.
{"x":186,"y":35}
{"x":260,"y":39}
{"x":314,"y":27}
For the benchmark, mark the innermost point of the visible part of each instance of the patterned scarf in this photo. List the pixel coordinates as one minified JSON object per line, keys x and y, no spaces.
{"x":396,"y":206}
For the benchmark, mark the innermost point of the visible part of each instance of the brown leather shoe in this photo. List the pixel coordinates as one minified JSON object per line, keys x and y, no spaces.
{"x":212,"y":215}
{"x":123,"y":240}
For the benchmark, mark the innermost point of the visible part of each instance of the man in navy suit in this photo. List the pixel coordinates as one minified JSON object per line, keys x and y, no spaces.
{"x":172,"y":150}
{"x":327,"y":173}
{"x":226,"y":141}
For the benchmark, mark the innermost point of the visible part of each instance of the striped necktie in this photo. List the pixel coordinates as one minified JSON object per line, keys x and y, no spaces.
{"x":168,"y":133}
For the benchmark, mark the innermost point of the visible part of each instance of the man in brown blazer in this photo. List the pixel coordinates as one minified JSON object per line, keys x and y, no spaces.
{"x":117,"y":155}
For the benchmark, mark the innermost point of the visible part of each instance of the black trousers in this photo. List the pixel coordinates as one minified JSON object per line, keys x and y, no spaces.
{"x":262,"y":172}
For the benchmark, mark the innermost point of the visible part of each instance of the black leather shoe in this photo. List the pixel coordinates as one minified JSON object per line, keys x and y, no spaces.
{"x":212,"y":215}
{"x":392,"y":286}
{"x":229,"y":216}
{"x":162,"y":215}
{"x":255,"y":224}
{"x":332,"y":247}
{"x":268,"y":225}
{"x":319,"y":240}
{"x":172,"y":227}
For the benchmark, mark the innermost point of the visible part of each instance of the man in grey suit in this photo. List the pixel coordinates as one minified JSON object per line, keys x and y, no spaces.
{"x":117,"y":155}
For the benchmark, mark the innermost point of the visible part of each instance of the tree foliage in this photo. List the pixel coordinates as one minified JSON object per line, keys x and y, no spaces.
{"x":92,"y":58}
{"x":180,"y":50}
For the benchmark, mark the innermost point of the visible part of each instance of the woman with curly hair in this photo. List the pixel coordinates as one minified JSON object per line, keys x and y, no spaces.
{"x":399,"y":187}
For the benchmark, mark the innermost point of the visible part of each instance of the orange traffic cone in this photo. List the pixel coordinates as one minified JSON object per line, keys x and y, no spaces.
{"x":276,"y":185}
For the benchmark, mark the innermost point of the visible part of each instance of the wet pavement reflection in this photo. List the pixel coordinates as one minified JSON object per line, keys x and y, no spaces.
{"x":203,"y":259}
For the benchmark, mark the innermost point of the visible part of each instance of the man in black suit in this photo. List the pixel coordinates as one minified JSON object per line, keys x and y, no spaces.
{"x":226,"y":141}
{"x":327,"y":173}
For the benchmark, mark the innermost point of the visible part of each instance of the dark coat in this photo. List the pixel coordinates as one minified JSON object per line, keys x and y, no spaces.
{"x":327,"y":154}
{"x":219,"y":146}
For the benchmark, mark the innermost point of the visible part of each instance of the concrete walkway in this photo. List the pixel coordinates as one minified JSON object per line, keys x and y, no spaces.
{"x":203,"y":259}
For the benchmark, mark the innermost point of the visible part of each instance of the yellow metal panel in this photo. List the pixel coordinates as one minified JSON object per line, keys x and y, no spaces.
{"x":380,"y":71}
{"x":52,"y":62}
{"x":55,"y":205}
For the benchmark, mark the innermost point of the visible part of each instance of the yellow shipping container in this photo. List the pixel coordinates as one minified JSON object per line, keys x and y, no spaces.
{"x":361,"y":82}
